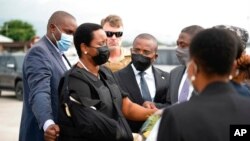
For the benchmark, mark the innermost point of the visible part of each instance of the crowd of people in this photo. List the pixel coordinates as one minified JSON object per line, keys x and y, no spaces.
{"x":111,"y":91}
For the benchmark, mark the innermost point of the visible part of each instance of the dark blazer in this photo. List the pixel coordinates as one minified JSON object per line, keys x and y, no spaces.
{"x":206,"y":117}
{"x":241,"y":88}
{"x":175,"y":77}
{"x":127,"y":81}
{"x":42,"y":69}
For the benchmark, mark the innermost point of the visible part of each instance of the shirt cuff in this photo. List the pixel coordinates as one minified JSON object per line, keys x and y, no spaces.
{"x":47,"y":124}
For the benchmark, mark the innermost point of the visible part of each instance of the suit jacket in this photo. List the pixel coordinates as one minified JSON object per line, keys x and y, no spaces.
{"x":127,"y":81}
{"x":175,"y":77}
{"x":42,"y":69}
{"x":206,"y":117}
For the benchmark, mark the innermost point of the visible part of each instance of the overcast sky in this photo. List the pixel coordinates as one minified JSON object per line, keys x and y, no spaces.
{"x":162,"y":18}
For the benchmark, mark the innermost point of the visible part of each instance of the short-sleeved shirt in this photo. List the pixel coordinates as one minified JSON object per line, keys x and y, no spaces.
{"x":122,"y":61}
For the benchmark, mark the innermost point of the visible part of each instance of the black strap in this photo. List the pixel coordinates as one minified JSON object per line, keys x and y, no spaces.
{"x":66,"y":60}
{"x":65,"y":84}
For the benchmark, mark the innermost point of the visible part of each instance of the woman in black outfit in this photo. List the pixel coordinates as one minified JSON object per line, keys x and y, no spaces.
{"x":90,"y":95}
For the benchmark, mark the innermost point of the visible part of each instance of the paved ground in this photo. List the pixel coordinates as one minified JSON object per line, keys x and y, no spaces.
{"x":10,"y":116}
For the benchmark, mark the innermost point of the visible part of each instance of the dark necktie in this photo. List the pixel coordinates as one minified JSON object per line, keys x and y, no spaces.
{"x":144,"y":88}
{"x":184,"y":91}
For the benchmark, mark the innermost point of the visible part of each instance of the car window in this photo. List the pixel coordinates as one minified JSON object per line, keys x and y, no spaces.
{"x":167,"y":57}
{"x":19,"y":61}
{"x":2,"y":61}
{"x":10,"y":60}
{"x":16,"y":60}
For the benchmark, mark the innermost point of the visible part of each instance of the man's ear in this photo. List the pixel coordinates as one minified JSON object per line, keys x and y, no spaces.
{"x":156,"y":56}
{"x":52,"y":27}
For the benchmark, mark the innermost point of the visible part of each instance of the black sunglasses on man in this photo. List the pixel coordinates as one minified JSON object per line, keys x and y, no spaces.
{"x":117,"y":34}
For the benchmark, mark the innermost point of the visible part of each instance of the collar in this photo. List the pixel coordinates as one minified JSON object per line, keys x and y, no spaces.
{"x":185,"y":75}
{"x":54,"y":45}
{"x":148,"y":71}
{"x":217,"y":88}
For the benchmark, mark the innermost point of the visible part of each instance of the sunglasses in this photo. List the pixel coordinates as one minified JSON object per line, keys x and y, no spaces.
{"x":117,"y":34}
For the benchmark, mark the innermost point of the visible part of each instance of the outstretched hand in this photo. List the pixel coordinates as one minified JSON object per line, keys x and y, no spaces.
{"x":149,"y":105}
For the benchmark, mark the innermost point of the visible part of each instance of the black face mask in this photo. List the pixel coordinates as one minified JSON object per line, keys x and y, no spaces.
{"x":140,"y":62}
{"x":102,"y":55}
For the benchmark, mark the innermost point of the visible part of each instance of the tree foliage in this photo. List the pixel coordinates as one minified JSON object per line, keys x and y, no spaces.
{"x":17,"y":30}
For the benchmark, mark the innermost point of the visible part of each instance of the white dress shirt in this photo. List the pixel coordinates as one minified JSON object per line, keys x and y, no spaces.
{"x":181,"y":85}
{"x":149,"y":77}
{"x":64,"y":60}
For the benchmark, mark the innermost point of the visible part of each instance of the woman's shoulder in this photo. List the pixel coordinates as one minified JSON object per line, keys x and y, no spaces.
{"x":106,"y":71}
{"x":75,"y":72}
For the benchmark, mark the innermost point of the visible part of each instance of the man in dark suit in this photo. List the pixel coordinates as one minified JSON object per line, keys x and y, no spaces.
{"x":208,"y":116}
{"x":43,"y":67}
{"x":144,"y":53}
{"x":178,"y":76}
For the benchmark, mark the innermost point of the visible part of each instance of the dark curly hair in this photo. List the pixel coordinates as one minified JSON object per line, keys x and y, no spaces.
{"x":241,"y":34}
{"x":243,"y":65}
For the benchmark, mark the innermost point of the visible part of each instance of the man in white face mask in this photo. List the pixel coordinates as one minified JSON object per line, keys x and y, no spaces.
{"x":179,"y":88}
{"x":43,"y":67}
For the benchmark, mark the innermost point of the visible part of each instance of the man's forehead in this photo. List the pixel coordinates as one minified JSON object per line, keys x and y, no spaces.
{"x":184,"y":36}
{"x":107,"y":26}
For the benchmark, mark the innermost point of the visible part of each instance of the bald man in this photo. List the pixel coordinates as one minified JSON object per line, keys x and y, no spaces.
{"x":43,"y":67}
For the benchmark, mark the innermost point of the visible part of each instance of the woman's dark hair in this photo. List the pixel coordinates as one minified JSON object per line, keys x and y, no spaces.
{"x":243,"y":64}
{"x":241,"y":35}
{"x":214,"y":51}
{"x":84,"y":34}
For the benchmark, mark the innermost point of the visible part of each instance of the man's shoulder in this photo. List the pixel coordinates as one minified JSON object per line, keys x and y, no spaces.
{"x":40,"y":46}
{"x":178,"y":69}
{"x":127,"y":56}
{"x":124,"y":69}
{"x":157,"y":70}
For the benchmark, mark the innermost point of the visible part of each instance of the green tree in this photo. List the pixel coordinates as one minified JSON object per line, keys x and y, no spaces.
{"x":18,"y":30}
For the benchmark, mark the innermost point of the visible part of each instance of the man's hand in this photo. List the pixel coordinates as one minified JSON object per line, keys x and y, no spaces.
{"x":51,"y":133}
{"x":149,"y":105}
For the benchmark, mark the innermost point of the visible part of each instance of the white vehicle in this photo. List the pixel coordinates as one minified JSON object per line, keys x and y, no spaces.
{"x":167,"y":59}
{"x":72,"y":55}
